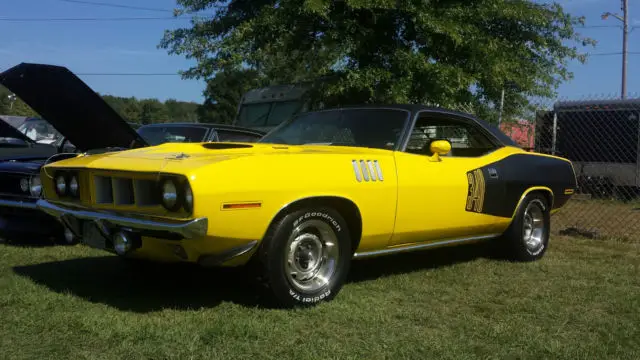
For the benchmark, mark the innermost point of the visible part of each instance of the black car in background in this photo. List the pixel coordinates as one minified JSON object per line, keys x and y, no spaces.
{"x":85,"y":123}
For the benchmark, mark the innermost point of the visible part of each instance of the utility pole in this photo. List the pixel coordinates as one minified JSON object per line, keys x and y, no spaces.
{"x":625,"y":33}
{"x":12,"y":98}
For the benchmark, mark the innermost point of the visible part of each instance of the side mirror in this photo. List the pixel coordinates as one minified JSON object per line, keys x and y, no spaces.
{"x":439,"y":148}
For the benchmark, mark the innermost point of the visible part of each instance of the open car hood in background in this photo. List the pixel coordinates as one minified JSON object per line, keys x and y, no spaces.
{"x":69,"y":105}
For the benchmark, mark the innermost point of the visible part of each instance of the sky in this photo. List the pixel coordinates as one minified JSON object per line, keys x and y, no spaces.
{"x":90,"y":47}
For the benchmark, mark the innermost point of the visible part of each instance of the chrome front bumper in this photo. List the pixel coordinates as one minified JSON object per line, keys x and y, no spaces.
{"x":191,"y":229}
{"x":18,"y":204}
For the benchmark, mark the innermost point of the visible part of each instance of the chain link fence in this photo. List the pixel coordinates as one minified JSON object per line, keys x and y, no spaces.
{"x":602,"y":139}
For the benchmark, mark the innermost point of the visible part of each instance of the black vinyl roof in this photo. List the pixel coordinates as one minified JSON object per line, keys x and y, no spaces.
{"x":415,"y":108}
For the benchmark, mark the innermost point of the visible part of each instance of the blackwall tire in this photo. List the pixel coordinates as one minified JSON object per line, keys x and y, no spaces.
{"x":305,"y":257}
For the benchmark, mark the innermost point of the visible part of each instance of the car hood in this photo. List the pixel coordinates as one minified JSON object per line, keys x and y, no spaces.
{"x":68,"y":104}
{"x":27,"y":153}
{"x":187,"y":156}
{"x":31,"y":167}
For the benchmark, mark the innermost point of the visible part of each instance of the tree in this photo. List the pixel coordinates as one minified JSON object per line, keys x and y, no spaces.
{"x":152,"y":111}
{"x":403,"y":51}
{"x":131,"y":109}
{"x":223,"y":93}
{"x":180,"y":111}
{"x":15,"y":107}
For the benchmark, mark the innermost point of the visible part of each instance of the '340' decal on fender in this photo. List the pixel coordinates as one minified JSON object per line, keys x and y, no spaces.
{"x":475,"y":195}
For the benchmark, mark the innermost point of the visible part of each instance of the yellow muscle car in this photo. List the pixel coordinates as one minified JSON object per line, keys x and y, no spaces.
{"x":319,"y":190}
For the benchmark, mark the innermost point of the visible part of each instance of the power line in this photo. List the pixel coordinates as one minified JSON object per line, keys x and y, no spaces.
{"x":176,"y":74}
{"x":127,"y":74}
{"x":95,"y":3}
{"x":91,"y":19}
{"x":597,"y":26}
{"x":614,"y":53}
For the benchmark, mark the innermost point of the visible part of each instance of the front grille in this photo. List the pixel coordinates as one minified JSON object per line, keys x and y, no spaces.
{"x":122,"y":191}
{"x":10,"y":184}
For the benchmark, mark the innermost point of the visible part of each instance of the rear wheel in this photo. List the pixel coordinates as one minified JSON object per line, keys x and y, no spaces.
{"x":527,"y":238}
{"x":305,"y":257}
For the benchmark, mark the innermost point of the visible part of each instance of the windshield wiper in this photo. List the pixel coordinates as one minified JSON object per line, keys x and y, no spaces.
{"x":334,"y":144}
{"x":105,"y":149}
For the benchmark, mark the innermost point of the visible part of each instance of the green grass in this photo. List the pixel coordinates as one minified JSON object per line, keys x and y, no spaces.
{"x":581,"y":301}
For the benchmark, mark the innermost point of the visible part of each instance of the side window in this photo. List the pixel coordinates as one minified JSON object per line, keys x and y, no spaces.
{"x":467,"y":139}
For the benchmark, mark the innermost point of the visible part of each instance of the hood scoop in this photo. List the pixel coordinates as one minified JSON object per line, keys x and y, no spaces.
{"x":222,"y":146}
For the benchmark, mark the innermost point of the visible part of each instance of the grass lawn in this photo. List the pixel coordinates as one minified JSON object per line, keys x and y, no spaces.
{"x":603,"y":218}
{"x":582,"y":301}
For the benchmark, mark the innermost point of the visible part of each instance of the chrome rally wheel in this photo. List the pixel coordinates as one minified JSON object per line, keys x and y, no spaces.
{"x":312,"y":255}
{"x":305,"y":257}
{"x":527,"y":238}
{"x":533,"y":226}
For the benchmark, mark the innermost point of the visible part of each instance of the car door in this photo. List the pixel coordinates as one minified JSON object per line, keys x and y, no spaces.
{"x":444,"y":200}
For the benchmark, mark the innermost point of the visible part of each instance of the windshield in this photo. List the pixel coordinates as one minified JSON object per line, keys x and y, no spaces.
{"x":156,"y":135}
{"x":374,"y":128}
{"x":40,"y":131}
{"x":268,"y":113}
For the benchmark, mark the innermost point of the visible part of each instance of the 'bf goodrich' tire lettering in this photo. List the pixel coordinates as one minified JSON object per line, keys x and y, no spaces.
{"x":321,"y":214}
{"x":301,"y":238}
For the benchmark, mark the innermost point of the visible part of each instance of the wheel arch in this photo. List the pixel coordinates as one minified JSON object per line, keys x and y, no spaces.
{"x":346,"y":207}
{"x":544,"y":190}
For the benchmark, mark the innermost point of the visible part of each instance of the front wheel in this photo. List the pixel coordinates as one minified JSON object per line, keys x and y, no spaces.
{"x":527,"y":238}
{"x":305,"y":257}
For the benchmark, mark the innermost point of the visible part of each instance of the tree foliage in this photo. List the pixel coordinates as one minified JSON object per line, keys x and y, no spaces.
{"x":223,"y":93}
{"x":147,"y":111}
{"x":387,"y":51}
{"x":142,"y":111}
{"x":13,"y":106}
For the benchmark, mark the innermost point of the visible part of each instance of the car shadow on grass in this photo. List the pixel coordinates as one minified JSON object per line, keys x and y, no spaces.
{"x":148,"y":287}
{"x":28,"y":241}
{"x":143,"y":287}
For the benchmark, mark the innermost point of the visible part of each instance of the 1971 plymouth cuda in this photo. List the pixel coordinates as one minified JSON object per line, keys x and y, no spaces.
{"x":80,"y":121}
{"x":319,"y":190}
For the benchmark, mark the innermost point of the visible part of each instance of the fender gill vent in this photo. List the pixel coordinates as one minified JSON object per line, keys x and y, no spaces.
{"x":369,"y":170}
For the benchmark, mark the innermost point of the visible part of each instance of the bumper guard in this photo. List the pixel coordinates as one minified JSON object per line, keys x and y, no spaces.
{"x":186,"y":229}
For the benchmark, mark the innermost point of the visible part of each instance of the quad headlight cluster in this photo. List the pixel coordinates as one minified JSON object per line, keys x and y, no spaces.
{"x":31,"y":185}
{"x":176,"y":194}
{"x":67,"y":184}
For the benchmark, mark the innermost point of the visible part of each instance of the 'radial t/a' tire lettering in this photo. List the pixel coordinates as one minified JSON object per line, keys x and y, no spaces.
{"x":305,"y":257}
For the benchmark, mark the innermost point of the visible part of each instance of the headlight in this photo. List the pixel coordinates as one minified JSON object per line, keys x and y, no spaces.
{"x":73,"y":186}
{"x":188,"y":197}
{"x":170,"y":195}
{"x":24,"y":184}
{"x":61,"y":185}
{"x":35,"y":186}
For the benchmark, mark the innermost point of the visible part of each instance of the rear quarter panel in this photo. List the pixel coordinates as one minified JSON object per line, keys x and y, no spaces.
{"x":522,"y":172}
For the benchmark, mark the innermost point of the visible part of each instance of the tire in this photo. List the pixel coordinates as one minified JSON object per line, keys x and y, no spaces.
{"x":290,"y":254}
{"x":527,"y":238}
{"x":66,"y":238}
